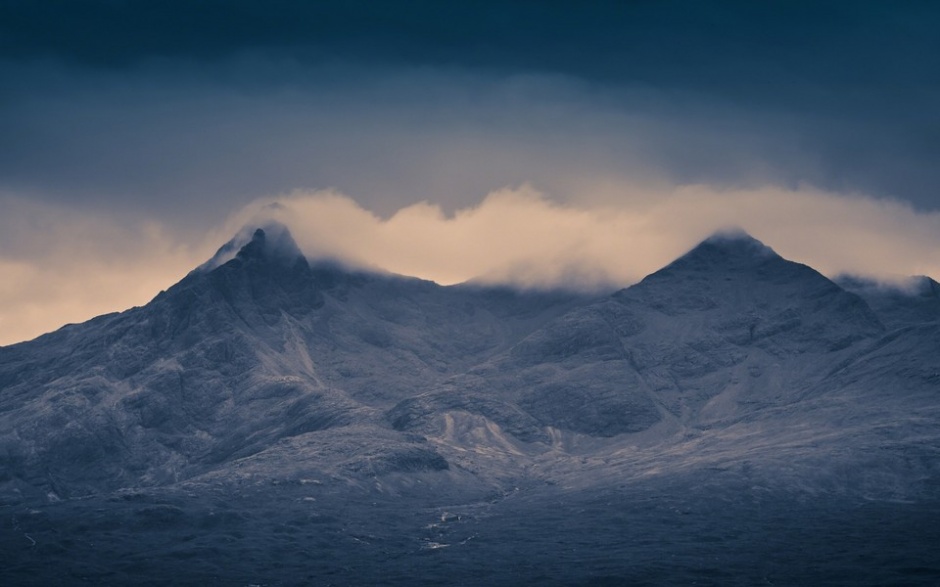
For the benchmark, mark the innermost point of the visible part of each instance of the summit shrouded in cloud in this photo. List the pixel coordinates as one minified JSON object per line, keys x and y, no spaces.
{"x":515,"y":142}
{"x":519,"y":237}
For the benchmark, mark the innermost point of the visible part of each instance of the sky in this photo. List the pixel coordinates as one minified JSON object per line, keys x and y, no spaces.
{"x":536,"y":143}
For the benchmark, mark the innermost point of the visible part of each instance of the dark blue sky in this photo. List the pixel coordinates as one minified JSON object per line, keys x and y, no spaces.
{"x":151,"y":106}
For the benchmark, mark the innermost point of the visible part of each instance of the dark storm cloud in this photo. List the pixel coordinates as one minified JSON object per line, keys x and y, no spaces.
{"x":130,"y":103}
{"x":668,"y":41}
{"x":171,"y":141}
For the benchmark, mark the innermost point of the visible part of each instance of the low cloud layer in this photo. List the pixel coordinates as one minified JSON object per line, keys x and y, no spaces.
{"x":61,"y":266}
{"x":520,"y":236}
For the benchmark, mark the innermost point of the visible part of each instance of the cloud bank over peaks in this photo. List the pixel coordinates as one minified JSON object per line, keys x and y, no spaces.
{"x":62,"y":265}
{"x":521,"y":236}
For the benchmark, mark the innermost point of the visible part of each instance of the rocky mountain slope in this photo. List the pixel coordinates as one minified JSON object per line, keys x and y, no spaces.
{"x":259,"y":347}
{"x":235,"y":358}
{"x":731,"y":369}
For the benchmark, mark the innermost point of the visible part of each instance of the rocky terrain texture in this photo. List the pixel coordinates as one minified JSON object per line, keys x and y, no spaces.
{"x":734,"y":418}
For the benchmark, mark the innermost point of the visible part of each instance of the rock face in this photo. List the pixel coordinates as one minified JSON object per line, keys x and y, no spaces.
{"x":263,"y":363}
{"x":239,"y":355}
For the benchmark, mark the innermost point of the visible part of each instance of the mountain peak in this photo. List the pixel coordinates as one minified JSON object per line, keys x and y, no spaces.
{"x":736,"y":242}
{"x":273,"y":241}
{"x":727,"y":249}
{"x":270,"y":241}
{"x":749,"y":293}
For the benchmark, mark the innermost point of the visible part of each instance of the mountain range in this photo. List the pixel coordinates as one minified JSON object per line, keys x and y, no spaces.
{"x":727,"y":377}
